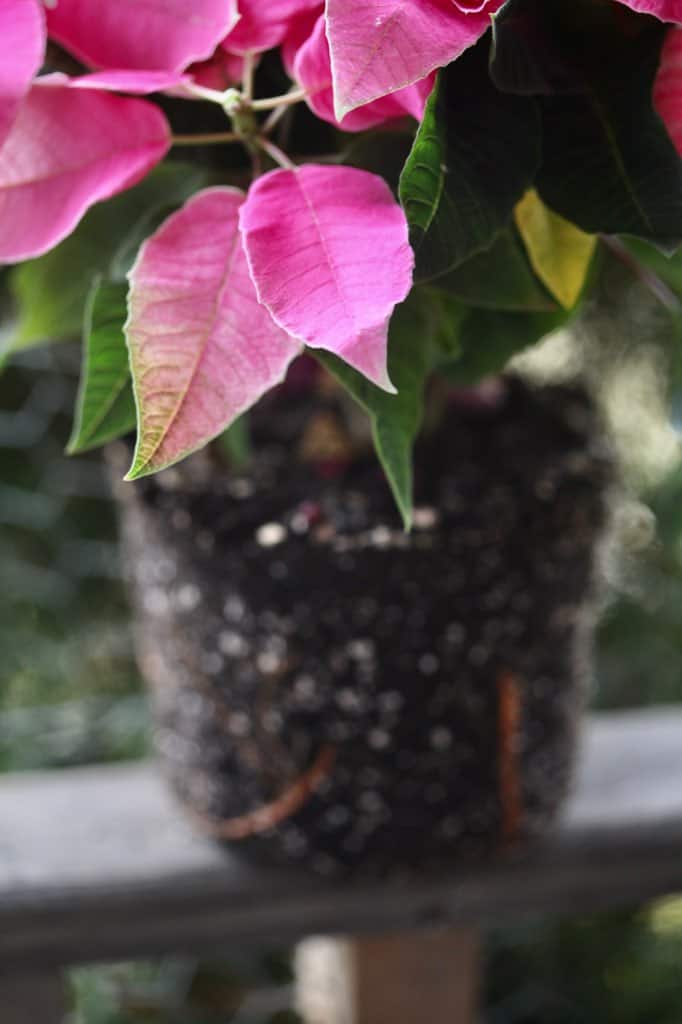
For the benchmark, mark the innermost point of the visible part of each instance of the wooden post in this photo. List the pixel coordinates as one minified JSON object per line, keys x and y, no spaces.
{"x":32,"y":998}
{"x":407,"y":978}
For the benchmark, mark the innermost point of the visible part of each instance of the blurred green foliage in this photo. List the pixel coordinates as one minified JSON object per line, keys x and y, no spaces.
{"x":639,"y":651}
{"x":609,"y":968}
{"x":246,"y":989}
{"x":69,"y":689}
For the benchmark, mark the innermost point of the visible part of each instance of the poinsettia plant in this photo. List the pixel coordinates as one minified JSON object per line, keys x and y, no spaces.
{"x":406,"y":189}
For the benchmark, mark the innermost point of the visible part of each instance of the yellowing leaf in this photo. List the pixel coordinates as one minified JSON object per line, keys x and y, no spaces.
{"x":559,"y":252}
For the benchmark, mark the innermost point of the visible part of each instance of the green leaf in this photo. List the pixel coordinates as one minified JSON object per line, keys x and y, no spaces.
{"x":489,"y":339}
{"x":236,"y":442}
{"x":447,"y":315}
{"x":559,"y":252}
{"x":396,"y":419}
{"x":51,"y":291}
{"x":475,"y":154}
{"x":649,"y":261}
{"x":106,"y":407}
{"x":609,"y":165}
{"x":540,"y":48}
{"x":499,"y":278}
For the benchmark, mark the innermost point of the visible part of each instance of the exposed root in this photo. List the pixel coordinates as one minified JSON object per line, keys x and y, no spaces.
{"x":278,"y":810}
{"x":509,"y":769}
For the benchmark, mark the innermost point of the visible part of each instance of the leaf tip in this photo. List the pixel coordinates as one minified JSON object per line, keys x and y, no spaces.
{"x":408,"y":518}
{"x":138,"y":469}
{"x":342,"y":107}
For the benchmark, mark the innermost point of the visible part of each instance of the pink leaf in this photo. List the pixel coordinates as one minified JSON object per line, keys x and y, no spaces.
{"x":329,"y":254}
{"x":202,"y":349}
{"x":381,"y":46}
{"x":263,"y":24}
{"x":665,"y":10}
{"x":668,"y":86}
{"x":70,"y":148}
{"x":22,"y":46}
{"x":141,"y":34}
{"x":140,"y":83}
{"x":312,"y":69}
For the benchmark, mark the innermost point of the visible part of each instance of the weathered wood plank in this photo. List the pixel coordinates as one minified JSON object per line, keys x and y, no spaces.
{"x":99,"y":863}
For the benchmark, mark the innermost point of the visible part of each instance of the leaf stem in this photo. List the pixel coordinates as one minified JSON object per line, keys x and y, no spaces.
{"x":273,"y":120}
{"x":276,"y":153}
{"x":658,"y":288}
{"x":256,"y":164}
{"x":247,"y":77}
{"x":200,"y":92}
{"x":207,"y":139}
{"x":285,"y":100}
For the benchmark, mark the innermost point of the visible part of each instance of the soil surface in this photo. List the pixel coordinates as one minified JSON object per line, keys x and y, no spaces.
{"x":334,"y":692}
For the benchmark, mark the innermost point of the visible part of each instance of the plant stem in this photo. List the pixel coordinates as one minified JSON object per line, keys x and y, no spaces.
{"x":207,"y":139}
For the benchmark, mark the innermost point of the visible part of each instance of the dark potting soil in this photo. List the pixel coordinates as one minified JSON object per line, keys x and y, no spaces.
{"x":335,"y":692}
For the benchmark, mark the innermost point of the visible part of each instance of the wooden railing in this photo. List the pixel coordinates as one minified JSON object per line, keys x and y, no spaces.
{"x":99,"y":864}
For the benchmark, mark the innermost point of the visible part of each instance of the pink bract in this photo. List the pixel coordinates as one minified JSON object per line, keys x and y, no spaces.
{"x":312,"y":69}
{"x":299,"y":31}
{"x":22,"y":46}
{"x":329,"y":254}
{"x":70,"y":148}
{"x":668,"y":86}
{"x":472,"y":7}
{"x":264,"y":24}
{"x":666,"y":10}
{"x":219,"y":72}
{"x":202,"y":348}
{"x":381,"y":46}
{"x":141,"y":34}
